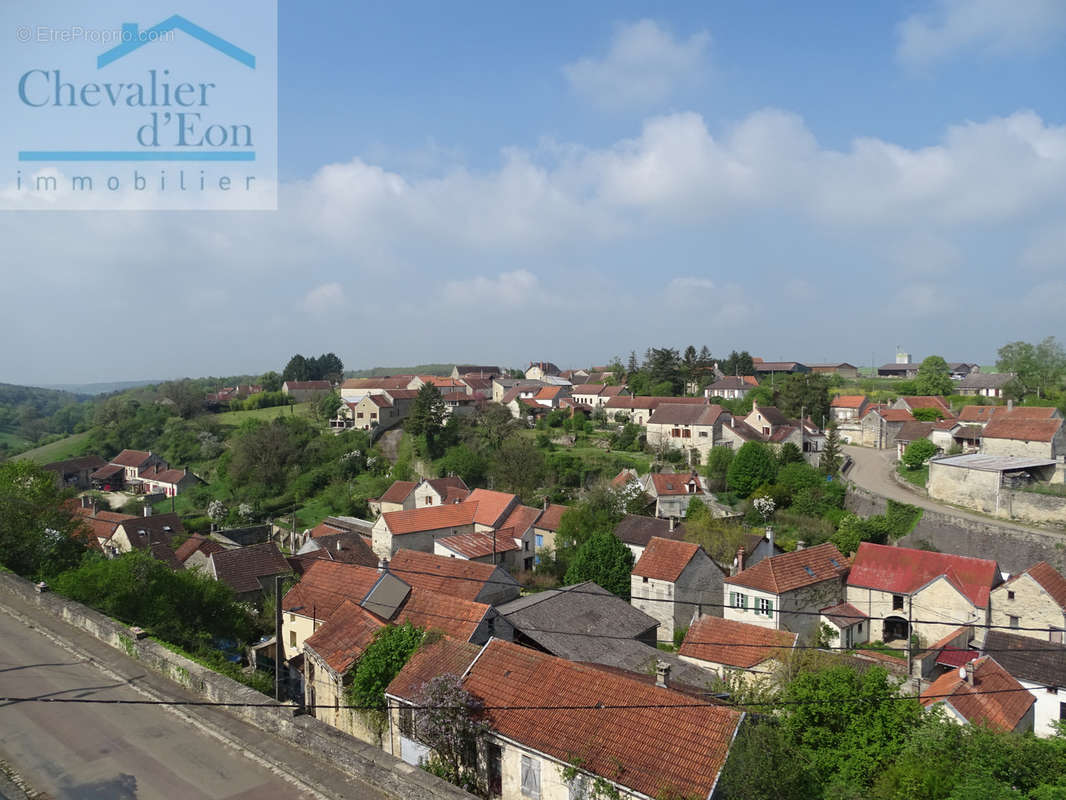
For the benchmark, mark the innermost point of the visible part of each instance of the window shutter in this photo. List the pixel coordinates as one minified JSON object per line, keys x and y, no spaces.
{"x":769,"y":608}
{"x":732,"y":599}
{"x":744,"y":602}
{"x":530,"y":777}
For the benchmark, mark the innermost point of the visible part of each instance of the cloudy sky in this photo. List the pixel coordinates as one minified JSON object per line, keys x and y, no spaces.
{"x":501,"y":182}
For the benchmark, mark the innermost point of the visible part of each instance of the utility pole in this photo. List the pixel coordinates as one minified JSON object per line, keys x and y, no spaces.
{"x":910,"y":636}
{"x":279,"y":649}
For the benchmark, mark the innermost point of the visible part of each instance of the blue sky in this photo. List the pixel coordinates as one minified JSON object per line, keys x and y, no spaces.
{"x":507,"y":182}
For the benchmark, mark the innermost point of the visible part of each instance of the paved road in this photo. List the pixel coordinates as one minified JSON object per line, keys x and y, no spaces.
{"x":872,"y":470}
{"x":101,"y":751}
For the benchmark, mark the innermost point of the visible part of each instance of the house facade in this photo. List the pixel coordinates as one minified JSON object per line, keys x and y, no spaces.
{"x":1040,"y":668}
{"x":675,"y":582}
{"x":729,"y":648}
{"x":1031,"y":604}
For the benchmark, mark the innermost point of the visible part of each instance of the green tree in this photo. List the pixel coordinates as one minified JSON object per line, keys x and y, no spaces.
{"x":760,"y":742}
{"x":1038,"y":368}
{"x":789,"y":454}
{"x":753,"y":465}
{"x":934,"y":377}
{"x":270,"y":381}
{"x":718,"y":461}
{"x":917,"y":453}
{"x":927,"y":414}
{"x":427,"y":416}
{"x":186,"y":397}
{"x":465,"y":462}
{"x":297,"y":369}
{"x":663,"y":369}
{"x":326,"y":406}
{"x":518,"y":466}
{"x":803,"y":394}
{"x":599,"y":511}
{"x":831,"y":457}
{"x":603,"y":559}
{"x":738,"y":364}
{"x":39,"y":535}
{"x":327,"y":367}
{"x":382,"y":661}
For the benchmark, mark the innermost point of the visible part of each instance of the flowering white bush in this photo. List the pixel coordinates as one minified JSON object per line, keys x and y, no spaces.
{"x":217,"y":511}
{"x":245,"y":511}
{"x":764,"y":506}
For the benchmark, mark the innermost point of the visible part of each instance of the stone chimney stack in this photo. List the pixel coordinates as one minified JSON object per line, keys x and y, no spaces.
{"x":770,"y":537}
{"x":738,"y":563}
{"x":800,"y":545}
{"x":1010,"y":406}
{"x":147,"y":510}
{"x":383,"y":565}
{"x":969,"y":672}
{"x":662,"y":674}
{"x":673,"y":524}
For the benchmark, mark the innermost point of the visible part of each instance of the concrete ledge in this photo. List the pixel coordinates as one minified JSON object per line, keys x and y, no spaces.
{"x":906,"y":484}
{"x":318,"y":740}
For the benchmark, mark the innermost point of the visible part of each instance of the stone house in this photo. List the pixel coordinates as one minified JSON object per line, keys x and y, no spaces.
{"x":440,"y":491}
{"x":727,"y":647}
{"x":909,"y":592}
{"x":850,"y":626}
{"x":984,"y":384}
{"x":675,"y":582}
{"x":1032,"y":603}
{"x":635,"y":532}
{"x":249,"y":571}
{"x":74,"y":472}
{"x":303,"y":391}
{"x":365,"y":413}
{"x":731,"y":387}
{"x":528,"y":754}
{"x":912,"y":431}
{"x":498,"y":547}
{"x":880,"y":426}
{"x":589,"y":394}
{"x":786,"y":592}
{"x":140,"y":533}
{"x":1010,"y":435}
{"x":692,"y":429}
{"x":913,"y":402}
{"x":847,"y":407}
{"x":983,"y":694}
{"x":483,"y":510}
{"x":400,"y":496}
{"x":547,"y":525}
{"x":983,"y":482}
{"x":134,"y":462}
{"x":168,"y":482}
{"x":639,"y":409}
{"x":196,"y":551}
{"x":672,"y":492}
{"x":354,"y":388}
{"x":539,"y":370}
{"x":1038,"y":666}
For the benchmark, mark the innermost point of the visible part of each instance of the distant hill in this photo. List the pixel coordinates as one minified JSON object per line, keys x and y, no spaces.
{"x":97,"y":388}
{"x":421,"y":369}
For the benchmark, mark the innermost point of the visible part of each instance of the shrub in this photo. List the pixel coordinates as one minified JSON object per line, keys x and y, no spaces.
{"x":918,"y":452}
{"x":753,"y":465}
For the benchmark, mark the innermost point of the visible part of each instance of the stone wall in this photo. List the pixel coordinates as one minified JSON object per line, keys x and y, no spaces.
{"x":1014,"y":550}
{"x":313,"y":737}
{"x":1033,"y":507}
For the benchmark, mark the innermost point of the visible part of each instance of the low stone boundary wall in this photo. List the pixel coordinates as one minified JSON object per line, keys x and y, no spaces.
{"x":321,"y":742}
{"x":1013,"y":549}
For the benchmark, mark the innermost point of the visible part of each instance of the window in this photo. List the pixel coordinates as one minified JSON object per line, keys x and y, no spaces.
{"x":738,"y":600}
{"x":1052,"y":689}
{"x":540,"y":540}
{"x":686,"y":434}
{"x":703,"y":434}
{"x":1010,"y":595}
{"x":1013,"y":621}
{"x":292,"y":638}
{"x":645,"y":580}
{"x":860,"y":627}
{"x":530,"y":777}
{"x":359,"y":415}
{"x":676,"y":433}
{"x":897,"y":602}
{"x":1056,"y":635}
{"x":764,"y":606}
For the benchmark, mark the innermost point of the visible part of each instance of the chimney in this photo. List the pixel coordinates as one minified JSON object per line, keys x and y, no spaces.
{"x":738,"y":562}
{"x":800,"y":545}
{"x":338,"y":544}
{"x":545,"y":502}
{"x":673,"y":524}
{"x":969,"y":672}
{"x":1010,"y":406}
{"x":662,"y":674}
{"x":770,"y":537}
{"x":147,"y":510}
{"x":383,"y":565}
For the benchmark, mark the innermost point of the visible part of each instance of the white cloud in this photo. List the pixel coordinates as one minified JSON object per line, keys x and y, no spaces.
{"x":1047,"y":251}
{"x":644,"y":65}
{"x":924,"y":254}
{"x":324,"y":298}
{"x":508,"y":289}
{"x":998,"y":27}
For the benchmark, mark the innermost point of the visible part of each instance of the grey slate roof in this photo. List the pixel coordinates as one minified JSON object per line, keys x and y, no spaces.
{"x":638,"y":530}
{"x":1028,"y":659}
{"x":986,"y":380}
{"x":573,"y":611}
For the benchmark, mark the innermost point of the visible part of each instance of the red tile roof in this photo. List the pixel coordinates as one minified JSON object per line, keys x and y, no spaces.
{"x":665,"y":559}
{"x":385,"y":383}
{"x":980,"y":413}
{"x":674,"y":484}
{"x":327,"y":584}
{"x":107,"y":471}
{"x":197,"y":543}
{"x":521,"y":519}
{"x":793,"y":570}
{"x":901,"y":570}
{"x":433,"y":611}
{"x":131,"y":458}
{"x":735,"y":644}
{"x":446,"y":656}
{"x":896,"y":415}
{"x":549,"y":520}
{"x":927,"y":401}
{"x":673,"y":749}
{"x":345,"y":636}
{"x":843,"y":615}
{"x":995,"y":699}
{"x":451,"y":576}
{"x":480,"y":545}
{"x":491,"y":506}
{"x":1029,"y":430}
{"x":1049,"y":578}
{"x":430,"y":518}
{"x":398,"y":492}
{"x":172,"y":476}
{"x":1033,"y":412}
{"x":548,"y":393}
{"x":242,"y":567}
{"x":848,"y":401}
{"x":685,"y":414}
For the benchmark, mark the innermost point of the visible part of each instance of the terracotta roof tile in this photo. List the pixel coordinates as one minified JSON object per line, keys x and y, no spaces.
{"x":550,"y":518}
{"x":491,"y":506}
{"x":197,"y":543}
{"x":1049,"y":578}
{"x":521,"y":519}
{"x":327,"y":584}
{"x":843,"y":614}
{"x":431,"y":518}
{"x":661,"y":749}
{"x":451,"y":576}
{"x":434,"y":611}
{"x":345,"y":636}
{"x":480,"y":545}
{"x":637,"y":530}
{"x":131,"y":458}
{"x":1033,"y":412}
{"x":896,"y":415}
{"x":902,"y":570}
{"x":995,"y":699}
{"x":675,"y":484}
{"x":398,"y":492}
{"x":793,"y":570}
{"x":351,"y":548}
{"x":980,"y":413}
{"x":735,"y":644}
{"x":1029,"y":430}
{"x":446,"y":656}
{"x":665,"y":559}
{"x":927,"y":401}
{"x":848,"y":401}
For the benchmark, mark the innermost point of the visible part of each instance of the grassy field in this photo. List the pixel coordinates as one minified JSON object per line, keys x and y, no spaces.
{"x":235,"y":418}
{"x":56,"y":451}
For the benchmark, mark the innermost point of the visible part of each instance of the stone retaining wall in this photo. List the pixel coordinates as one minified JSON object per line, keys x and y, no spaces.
{"x":318,"y":740}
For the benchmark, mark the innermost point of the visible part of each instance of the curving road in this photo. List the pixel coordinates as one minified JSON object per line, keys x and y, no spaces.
{"x":872,"y":470}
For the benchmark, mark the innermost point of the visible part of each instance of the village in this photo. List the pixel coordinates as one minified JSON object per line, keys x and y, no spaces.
{"x":688,"y":599}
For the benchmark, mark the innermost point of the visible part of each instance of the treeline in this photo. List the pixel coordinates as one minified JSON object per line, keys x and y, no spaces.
{"x":326,"y":367}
